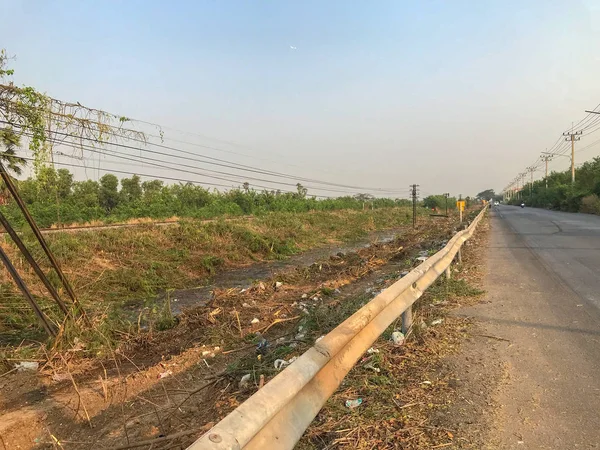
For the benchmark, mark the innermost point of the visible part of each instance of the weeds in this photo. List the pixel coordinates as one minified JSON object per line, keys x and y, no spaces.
{"x":113,"y":268}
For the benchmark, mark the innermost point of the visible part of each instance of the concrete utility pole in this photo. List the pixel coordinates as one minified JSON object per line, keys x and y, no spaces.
{"x":446,"y":194}
{"x":573,"y":136}
{"x":546,"y":158}
{"x":414,"y":194}
{"x":531,"y":169}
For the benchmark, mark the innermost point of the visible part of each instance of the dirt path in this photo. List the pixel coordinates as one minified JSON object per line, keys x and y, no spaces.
{"x":535,"y":359}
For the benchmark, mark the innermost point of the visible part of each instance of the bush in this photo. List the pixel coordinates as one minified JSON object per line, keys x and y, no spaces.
{"x":590,"y":204}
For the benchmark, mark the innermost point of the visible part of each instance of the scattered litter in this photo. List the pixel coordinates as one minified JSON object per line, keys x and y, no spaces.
{"x":245,"y":381}
{"x":422,"y":258}
{"x":315,"y":299}
{"x":428,"y":383}
{"x":245,"y":305}
{"x":319,"y":338}
{"x":337,"y":291}
{"x":217,"y":349}
{"x":261,"y":286}
{"x":262,"y":347}
{"x":254,"y":321}
{"x":27,"y":365}
{"x":372,"y":367}
{"x":280,"y":340}
{"x":165,"y":374}
{"x":278,"y":284}
{"x":354,"y":403}
{"x":300,"y":328}
{"x":206,"y":353}
{"x":423,"y":253}
{"x":372,"y":350}
{"x":369,"y":290}
{"x":300,"y":336}
{"x":404,"y":273}
{"x":437,"y":322}
{"x":304,"y":296}
{"x":243,"y":290}
{"x":175,"y":300}
{"x":280,"y":364}
{"x":398,"y":337}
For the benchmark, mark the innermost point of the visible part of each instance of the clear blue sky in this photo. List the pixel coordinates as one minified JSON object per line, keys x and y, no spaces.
{"x":453,"y":95}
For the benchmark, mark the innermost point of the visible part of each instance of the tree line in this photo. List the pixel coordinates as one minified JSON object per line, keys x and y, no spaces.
{"x":54,"y":197}
{"x":559,"y":193}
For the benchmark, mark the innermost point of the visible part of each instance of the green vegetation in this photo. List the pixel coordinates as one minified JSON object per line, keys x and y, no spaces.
{"x":561,"y":194}
{"x":54,"y":196}
{"x":123,"y":269}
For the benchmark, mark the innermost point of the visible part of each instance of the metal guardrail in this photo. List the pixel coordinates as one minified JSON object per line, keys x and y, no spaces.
{"x":277,"y":415}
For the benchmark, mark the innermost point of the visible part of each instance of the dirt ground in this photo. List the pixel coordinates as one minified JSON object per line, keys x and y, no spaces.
{"x":163,"y":390}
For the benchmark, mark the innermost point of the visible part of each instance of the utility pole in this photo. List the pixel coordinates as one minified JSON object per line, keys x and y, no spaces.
{"x":546,"y":158}
{"x":573,"y":136}
{"x":531,"y":169}
{"x":414,"y":194}
{"x":459,"y":208}
{"x":447,"y":194}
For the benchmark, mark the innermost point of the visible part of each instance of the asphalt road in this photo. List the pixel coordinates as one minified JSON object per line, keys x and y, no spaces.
{"x":543,"y":287}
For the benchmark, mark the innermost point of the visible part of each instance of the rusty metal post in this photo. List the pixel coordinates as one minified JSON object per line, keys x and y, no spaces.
{"x":38,"y":234}
{"x":40,"y":273}
{"x":407,"y":321}
{"x":23,"y":287}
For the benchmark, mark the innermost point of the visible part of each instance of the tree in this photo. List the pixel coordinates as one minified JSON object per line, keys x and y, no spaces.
{"x":64,"y":183}
{"x":302,"y":191}
{"x":86,"y":193}
{"x":108,"y":194}
{"x":131,"y":189}
{"x":486,"y":195}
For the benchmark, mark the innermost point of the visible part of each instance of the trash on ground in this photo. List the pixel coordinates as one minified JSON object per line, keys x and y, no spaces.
{"x":436,"y":322}
{"x":278,"y":284}
{"x":354,"y":403}
{"x":254,"y":321}
{"x":372,"y":367}
{"x":304,"y":296}
{"x":245,"y":305}
{"x":404,"y":273}
{"x":422,"y":258}
{"x":319,"y":338}
{"x":372,"y":350}
{"x":27,"y":365}
{"x":165,"y":374}
{"x":245,"y":381}
{"x":398,"y":337}
{"x":262,"y":347}
{"x":281,"y":363}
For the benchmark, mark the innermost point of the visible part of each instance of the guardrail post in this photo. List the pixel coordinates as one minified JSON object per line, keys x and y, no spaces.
{"x":407,"y":320}
{"x":448,"y":273}
{"x":459,"y":254}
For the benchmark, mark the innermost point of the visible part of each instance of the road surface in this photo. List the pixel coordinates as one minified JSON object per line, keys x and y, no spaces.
{"x":543,"y":297}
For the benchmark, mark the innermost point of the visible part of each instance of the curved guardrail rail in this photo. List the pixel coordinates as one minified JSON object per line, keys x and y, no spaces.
{"x":277,"y":415}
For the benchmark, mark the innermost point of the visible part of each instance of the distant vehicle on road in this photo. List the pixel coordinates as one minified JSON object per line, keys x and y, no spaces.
{"x":522,"y":204}
{"x":496,"y":203}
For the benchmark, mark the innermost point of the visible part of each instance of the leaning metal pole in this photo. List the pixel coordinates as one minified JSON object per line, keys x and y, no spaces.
{"x":33,"y":263}
{"x":23,"y":287}
{"x":38,"y":234}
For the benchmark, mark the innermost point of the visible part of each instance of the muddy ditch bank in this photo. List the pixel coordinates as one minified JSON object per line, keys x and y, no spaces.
{"x":245,"y":277}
